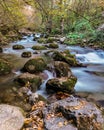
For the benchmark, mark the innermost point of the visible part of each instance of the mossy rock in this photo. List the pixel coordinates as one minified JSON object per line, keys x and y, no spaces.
{"x":34,"y":80}
{"x":38,"y":47}
{"x":1,"y":49}
{"x":35,"y":65}
{"x":18,"y":47}
{"x":5,"y":67}
{"x":62,"y":69}
{"x":50,"y":39}
{"x":61,"y":84}
{"x":42,"y":40}
{"x":26,"y":54}
{"x":53,"y":45}
{"x":65,"y":57}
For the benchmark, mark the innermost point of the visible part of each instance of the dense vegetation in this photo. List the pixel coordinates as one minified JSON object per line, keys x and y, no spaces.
{"x":79,"y":19}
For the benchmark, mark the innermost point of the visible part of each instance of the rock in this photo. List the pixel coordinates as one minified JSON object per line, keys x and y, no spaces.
{"x":34,"y":120}
{"x":24,"y":91}
{"x":18,"y":47}
{"x":34,"y":80}
{"x":11,"y":118}
{"x":42,"y":40}
{"x":33,"y":98}
{"x":62,"y":39}
{"x":62,"y":69}
{"x":38,"y":47}
{"x":36,"y":52}
{"x":64,"y":84}
{"x":1,"y":49}
{"x":26,"y":54}
{"x":53,"y":45}
{"x":50,"y":39}
{"x":73,"y":113}
{"x":5,"y":67}
{"x":37,"y":35}
{"x":35,"y":65}
{"x":65,"y":57}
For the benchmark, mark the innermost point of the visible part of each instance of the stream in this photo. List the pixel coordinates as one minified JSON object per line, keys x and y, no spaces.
{"x":90,"y":81}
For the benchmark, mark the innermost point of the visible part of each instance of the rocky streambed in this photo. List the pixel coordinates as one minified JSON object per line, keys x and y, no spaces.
{"x":57,"y":86}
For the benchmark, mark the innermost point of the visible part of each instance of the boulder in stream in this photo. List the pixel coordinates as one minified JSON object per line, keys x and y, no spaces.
{"x":5,"y":67}
{"x":65,"y":57}
{"x":35,"y":65}
{"x":50,"y":39}
{"x":73,"y":113}
{"x":26,"y":54}
{"x":64,"y":84}
{"x":18,"y":47}
{"x":11,"y":117}
{"x":62,"y":69}
{"x":42,"y":40}
{"x":53,"y":45}
{"x":34,"y":80}
{"x":39,"y":47}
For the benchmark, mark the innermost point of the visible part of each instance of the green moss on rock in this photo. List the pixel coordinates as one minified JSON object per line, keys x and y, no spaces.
{"x":61,"y":84}
{"x":5,"y":67}
{"x":62,"y":69}
{"x":53,"y":45}
{"x":65,"y":57}
{"x":38,"y":47}
{"x":34,"y":80}
{"x":35,"y":65}
{"x":50,"y":39}
{"x":18,"y":47}
{"x":42,"y":40}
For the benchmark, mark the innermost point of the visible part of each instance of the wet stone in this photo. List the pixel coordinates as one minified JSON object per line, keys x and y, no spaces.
{"x":18,"y":47}
{"x":26,"y":54}
{"x":64,"y":84}
{"x":62,"y":69}
{"x":73,"y":112}
{"x":35,"y":65}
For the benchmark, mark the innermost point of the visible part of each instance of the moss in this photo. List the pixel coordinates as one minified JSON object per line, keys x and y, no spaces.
{"x":5,"y":67}
{"x":17,"y":47}
{"x":34,"y":80}
{"x":62,"y":69}
{"x":69,"y":84}
{"x":42,"y":40}
{"x":50,"y":39}
{"x":61,"y":84}
{"x":37,"y":47}
{"x":66,"y":57}
{"x":53,"y":45}
{"x":35,"y":65}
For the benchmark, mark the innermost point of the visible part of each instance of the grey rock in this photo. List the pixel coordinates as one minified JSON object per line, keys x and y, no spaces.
{"x":73,"y":113}
{"x":11,"y":117}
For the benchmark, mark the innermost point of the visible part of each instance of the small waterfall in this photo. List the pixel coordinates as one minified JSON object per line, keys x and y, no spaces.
{"x":91,"y":57}
{"x":43,"y":85}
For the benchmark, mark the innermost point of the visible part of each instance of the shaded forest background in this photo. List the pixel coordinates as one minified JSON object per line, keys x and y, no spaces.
{"x":78,"y":19}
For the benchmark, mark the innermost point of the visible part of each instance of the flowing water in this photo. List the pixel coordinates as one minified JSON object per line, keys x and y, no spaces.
{"x":90,"y":78}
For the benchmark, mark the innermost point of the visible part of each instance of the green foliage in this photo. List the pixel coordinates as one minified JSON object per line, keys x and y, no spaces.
{"x":83,"y":30}
{"x":98,"y":36}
